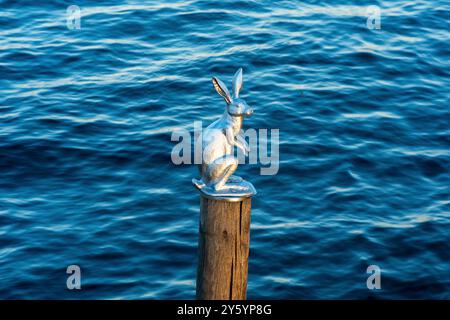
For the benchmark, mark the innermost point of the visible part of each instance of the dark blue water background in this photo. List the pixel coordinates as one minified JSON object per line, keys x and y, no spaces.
{"x":86,"y":118}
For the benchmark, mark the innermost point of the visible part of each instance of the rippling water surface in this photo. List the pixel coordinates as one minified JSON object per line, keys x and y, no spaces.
{"x":86,"y":117}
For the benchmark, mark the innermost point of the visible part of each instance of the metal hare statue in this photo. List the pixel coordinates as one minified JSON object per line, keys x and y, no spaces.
{"x":218,"y":141}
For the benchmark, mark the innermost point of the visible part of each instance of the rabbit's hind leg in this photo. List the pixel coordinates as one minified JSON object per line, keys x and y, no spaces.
{"x":221,"y":169}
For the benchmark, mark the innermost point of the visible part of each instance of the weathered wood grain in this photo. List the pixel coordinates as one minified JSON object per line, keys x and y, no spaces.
{"x":224,"y":238}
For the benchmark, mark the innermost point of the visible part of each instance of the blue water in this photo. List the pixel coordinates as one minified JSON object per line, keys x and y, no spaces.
{"x":86,"y":115}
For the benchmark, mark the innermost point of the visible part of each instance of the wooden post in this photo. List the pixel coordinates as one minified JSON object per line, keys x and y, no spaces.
{"x":223,"y":249}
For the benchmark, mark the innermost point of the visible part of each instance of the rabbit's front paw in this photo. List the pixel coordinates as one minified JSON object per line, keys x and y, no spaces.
{"x":244,"y":147}
{"x":247,"y":148}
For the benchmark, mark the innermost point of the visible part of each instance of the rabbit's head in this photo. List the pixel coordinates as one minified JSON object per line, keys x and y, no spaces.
{"x":236,"y":107}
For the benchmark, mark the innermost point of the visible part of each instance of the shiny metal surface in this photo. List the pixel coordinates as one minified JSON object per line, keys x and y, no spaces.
{"x":218,"y":141}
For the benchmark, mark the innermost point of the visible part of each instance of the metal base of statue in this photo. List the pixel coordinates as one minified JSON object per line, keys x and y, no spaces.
{"x":236,"y":189}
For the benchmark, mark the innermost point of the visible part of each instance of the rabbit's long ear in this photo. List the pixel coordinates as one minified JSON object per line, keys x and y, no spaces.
{"x":237,"y":82}
{"x":221,"y":89}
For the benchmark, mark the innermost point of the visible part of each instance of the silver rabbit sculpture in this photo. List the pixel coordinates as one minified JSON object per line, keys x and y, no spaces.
{"x":218,"y":142}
